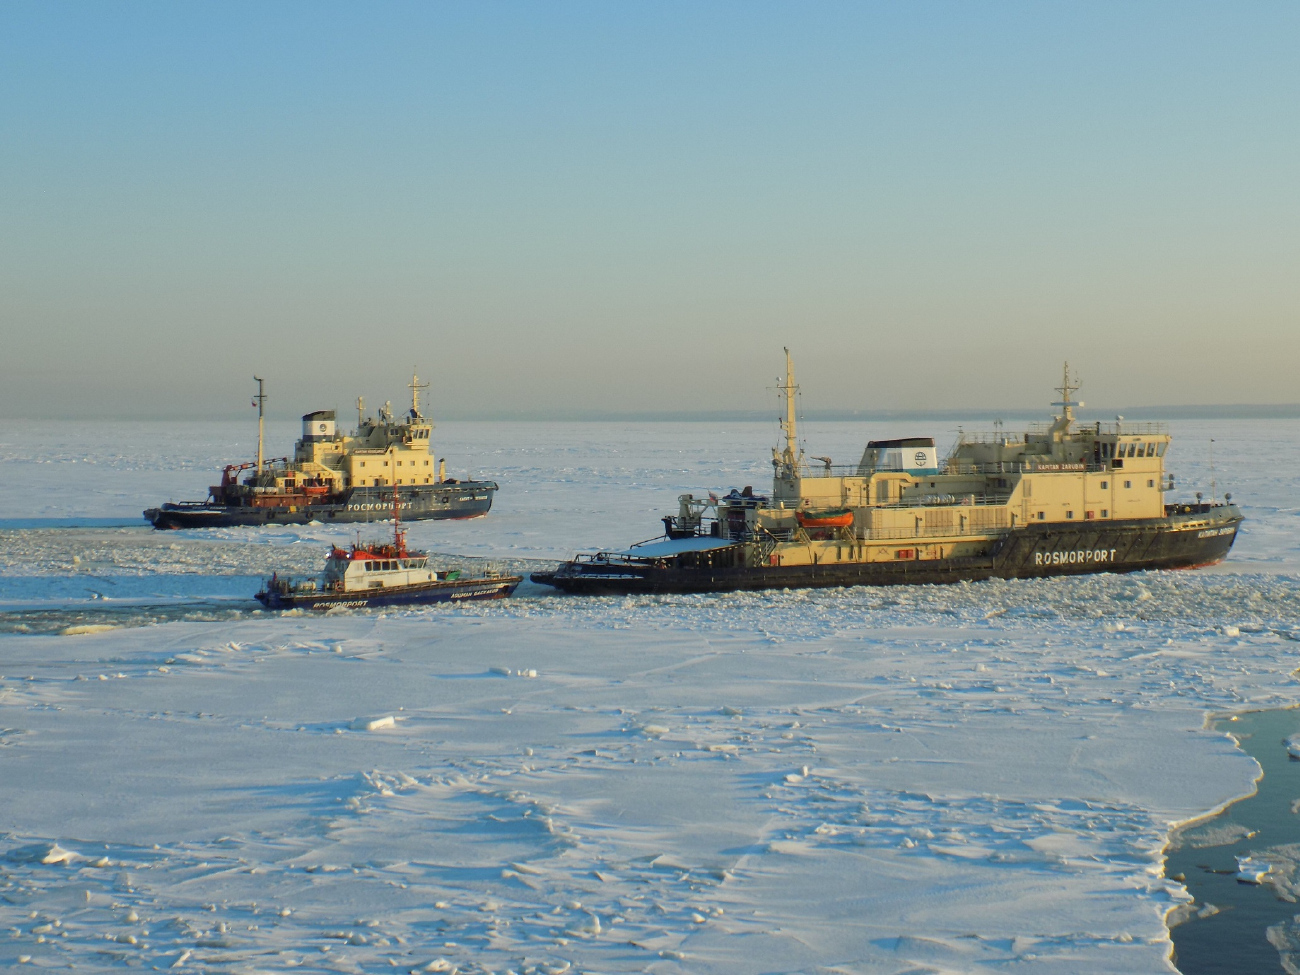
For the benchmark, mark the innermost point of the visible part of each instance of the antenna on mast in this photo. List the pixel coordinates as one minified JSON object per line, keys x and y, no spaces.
{"x":415,"y":386}
{"x":361,"y":412}
{"x":259,"y":401}
{"x":791,"y":456}
{"x":1065,"y":389}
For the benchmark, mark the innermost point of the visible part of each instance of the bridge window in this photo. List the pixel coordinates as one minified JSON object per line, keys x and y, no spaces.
{"x":1160,"y":448}
{"x":370,"y":567}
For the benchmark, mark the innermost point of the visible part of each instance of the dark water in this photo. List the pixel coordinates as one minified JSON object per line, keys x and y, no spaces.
{"x":20,"y":524}
{"x":1239,"y":928}
{"x":38,"y":622}
{"x":56,"y":578}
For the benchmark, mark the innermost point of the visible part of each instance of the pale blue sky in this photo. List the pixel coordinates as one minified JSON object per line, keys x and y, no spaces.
{"x":611,"y":206}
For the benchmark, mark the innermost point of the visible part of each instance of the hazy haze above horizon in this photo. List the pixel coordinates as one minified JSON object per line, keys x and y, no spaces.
{"x":585,"y":207}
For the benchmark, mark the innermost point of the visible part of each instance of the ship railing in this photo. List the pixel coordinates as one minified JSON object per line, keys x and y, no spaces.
{"x":1194,"y":507}
{"x":768,"y":540}
{"x":984,"y":438}
{"x":1040,"y":466}
{"x":1125,"y":428}
{"x":1122,"y":427}
{"x":618,"y":558}
{"x":951,"y":501}
{"x":930,"y":531}
{"x":1025,"y":467}
{"x":831,"y":470}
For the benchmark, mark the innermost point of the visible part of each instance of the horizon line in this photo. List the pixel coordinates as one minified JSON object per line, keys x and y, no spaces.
{"x":1194,"y":411}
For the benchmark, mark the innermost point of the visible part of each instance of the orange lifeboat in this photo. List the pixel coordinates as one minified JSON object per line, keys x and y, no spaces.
{"x":829,"y":518}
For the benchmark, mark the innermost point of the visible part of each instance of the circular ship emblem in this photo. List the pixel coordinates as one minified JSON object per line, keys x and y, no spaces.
{"x":919,"y":457}
{"x":322,"y":428}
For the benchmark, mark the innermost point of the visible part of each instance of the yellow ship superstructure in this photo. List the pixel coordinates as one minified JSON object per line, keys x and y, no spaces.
{"x":340,"y":476}
{"x":1060,"y":497}
{"x":382,"y":451}
{"x":898,"y":492}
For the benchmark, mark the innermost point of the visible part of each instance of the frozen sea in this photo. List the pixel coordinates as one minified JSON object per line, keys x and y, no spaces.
{"x":971,"y":778}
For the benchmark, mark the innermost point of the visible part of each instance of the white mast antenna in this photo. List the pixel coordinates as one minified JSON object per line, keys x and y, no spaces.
{"x":415,"y":386}
{"x":791,"y":457}
{"x":1065,"y":389}
{"x":259,"y":401}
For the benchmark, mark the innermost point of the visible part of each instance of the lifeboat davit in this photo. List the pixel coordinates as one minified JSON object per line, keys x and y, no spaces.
{"x":829,"y":518}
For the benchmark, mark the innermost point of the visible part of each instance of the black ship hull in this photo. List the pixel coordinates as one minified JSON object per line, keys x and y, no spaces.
{"x":1196,"y":536}
{"x":463,"y":499}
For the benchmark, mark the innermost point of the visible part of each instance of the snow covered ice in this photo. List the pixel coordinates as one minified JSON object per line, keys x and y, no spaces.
{"x":930,"y":779}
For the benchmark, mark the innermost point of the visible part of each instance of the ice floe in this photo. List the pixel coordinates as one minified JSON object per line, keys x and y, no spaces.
{"x":944,"y":779}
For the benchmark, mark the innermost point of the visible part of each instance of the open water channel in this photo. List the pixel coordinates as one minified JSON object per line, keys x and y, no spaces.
{"x":1243,"y":865}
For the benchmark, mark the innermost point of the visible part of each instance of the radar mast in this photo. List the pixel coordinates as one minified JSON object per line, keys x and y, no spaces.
{"x":1065,"y":389}
{"x":791,"y":457}
{"x":260,"y":402}
{"x":415,"y":386}
{"x":1060,"y":432}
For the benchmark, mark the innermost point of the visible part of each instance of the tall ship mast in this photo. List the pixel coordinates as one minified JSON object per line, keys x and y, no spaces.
{"x":387,"y":461}
{"x":1060,"y":499}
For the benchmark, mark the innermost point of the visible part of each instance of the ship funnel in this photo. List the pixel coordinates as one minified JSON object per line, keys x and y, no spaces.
{"x":318,"y":426}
